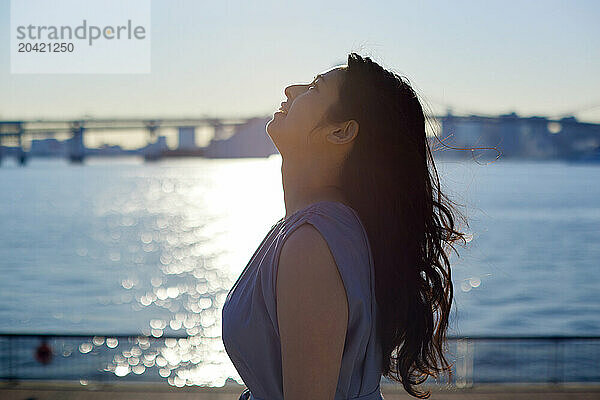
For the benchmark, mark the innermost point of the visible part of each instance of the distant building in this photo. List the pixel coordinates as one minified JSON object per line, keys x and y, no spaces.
{"x":50,"y":147}
{"x":160,"y":144}
{"x":248,"y":140}
{"x":467,"y":132}
{"x":106,"y":150}
{"x":187,"y":138}
{"x":536,"y":139}
{"x":154,"y":149}
{"x":518,"y":137}
{"x":576,"y":139}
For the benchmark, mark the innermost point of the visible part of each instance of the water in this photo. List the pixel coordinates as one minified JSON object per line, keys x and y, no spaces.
{"x":532,"y":267}
{"x":123,"y":246}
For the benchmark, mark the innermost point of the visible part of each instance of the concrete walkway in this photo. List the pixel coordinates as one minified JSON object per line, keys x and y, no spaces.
{"x":135,"y":391}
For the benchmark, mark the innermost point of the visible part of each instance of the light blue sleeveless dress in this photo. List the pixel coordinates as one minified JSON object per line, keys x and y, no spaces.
{"x":249,"y":320}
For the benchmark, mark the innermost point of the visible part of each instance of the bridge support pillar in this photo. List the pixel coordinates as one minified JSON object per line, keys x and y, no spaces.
{"x":76,"y":147}
{"x":152,"y":153}
{"x":22,"y":157}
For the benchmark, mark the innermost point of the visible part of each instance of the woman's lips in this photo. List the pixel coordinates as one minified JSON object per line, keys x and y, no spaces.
{"x":283,"y":108}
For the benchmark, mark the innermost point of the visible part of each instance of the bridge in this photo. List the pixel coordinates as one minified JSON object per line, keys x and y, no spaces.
{"x":537,"y":136}
{"x":18,"y":130}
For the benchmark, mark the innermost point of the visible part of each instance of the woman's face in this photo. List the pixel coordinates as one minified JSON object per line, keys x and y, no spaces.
{"x":305,"y":107}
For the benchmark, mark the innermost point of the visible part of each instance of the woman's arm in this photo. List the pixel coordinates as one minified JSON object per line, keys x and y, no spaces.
{"x":312,"y":314}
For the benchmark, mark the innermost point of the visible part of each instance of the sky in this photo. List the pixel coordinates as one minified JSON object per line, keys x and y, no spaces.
{"x":234,"y":58}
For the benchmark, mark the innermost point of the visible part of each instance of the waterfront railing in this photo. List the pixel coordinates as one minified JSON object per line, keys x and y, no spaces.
{"x":176,"y":359}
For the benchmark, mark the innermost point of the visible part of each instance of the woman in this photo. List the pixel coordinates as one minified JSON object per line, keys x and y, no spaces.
{"x":347,"y":286}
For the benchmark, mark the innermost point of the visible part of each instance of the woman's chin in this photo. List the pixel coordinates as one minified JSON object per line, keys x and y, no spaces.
{"x":272,"y":125}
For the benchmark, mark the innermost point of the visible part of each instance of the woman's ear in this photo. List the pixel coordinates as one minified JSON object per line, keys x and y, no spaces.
{"x":344,"y":134}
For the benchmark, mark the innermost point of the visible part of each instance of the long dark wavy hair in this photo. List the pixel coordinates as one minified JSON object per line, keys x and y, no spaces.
{"x":390,"y":179}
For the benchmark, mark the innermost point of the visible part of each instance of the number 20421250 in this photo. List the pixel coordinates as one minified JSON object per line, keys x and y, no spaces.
{"x":24,"y":47}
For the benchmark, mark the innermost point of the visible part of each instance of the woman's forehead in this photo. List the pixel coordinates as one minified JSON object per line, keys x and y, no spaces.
{"x":333,"y":71}
{"x":332,"y":74}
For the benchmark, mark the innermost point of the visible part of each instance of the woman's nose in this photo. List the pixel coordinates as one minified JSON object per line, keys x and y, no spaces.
{"x":293,"y":90}
{"x":288,"y":91}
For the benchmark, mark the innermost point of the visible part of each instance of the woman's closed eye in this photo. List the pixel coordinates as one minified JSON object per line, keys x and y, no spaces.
{"x":313,"y":85}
